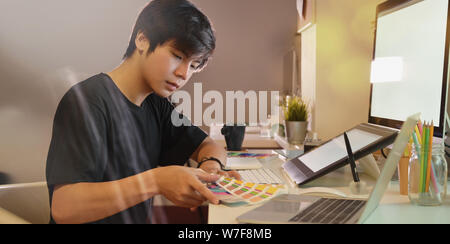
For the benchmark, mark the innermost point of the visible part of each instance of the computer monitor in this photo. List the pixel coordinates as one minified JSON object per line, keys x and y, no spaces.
{"x":410,"y":62}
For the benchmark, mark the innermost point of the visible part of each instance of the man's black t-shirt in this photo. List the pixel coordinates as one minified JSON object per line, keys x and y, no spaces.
{"x":99,"y":136}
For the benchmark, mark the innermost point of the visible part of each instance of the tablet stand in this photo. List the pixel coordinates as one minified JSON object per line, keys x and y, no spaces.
{"x":370,"y":166}
{"x":357,"y":187}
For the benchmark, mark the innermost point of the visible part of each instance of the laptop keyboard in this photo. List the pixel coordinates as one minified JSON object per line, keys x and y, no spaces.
{"x":262,"y":176}
{"x":329,"y":211}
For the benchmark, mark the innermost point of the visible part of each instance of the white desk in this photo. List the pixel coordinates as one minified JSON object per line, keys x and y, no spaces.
{"x":393,"y":207}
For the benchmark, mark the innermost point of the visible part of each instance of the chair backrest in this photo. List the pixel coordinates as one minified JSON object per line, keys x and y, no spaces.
{"x":7,"y":217}
{"x":28,"y":201}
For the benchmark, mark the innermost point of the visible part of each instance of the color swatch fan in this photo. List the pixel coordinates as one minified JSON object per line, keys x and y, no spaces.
{"x":251,"y":193}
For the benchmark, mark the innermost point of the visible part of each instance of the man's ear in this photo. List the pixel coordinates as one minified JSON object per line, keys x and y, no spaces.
{"x":142,"y":43}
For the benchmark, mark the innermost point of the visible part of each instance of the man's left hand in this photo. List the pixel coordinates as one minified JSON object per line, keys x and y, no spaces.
{"x":213,"y":167}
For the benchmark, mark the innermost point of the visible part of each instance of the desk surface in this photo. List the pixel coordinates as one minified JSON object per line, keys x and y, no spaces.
{"x":393,"y":207}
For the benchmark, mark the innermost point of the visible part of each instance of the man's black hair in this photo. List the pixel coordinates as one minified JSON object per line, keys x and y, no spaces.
{"x":175,"y":20}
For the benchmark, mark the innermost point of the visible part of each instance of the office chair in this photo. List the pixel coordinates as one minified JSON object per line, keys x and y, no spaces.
{"x":27,"y":201}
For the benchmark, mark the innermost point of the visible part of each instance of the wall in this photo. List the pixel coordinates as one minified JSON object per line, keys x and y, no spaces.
{"x":336,"y":75}
{"x":254,"y":38}
{"x":47,"y":46}
{"x":308,"y":71}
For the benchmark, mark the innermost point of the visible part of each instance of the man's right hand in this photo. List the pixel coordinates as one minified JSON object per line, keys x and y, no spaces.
{"x":183,"y":186}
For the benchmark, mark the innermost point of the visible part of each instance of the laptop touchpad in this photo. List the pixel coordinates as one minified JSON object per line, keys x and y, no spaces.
{"x":275,"y":211}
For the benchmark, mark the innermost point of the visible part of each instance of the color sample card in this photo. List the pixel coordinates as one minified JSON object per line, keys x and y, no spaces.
{"x":248,"y":192}
{"x":222,"y":194}
{"x":218,"y":190}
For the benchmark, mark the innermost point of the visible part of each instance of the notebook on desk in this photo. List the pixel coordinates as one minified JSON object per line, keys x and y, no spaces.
{"x":290,"y":208}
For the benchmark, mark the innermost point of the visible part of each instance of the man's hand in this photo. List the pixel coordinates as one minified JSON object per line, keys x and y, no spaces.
{"x":184,"y":186}
{"x":208,"y":149}
{"x":213,"y":167}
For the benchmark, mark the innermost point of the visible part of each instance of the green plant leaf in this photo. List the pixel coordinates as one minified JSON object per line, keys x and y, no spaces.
{"x":295,"y":109}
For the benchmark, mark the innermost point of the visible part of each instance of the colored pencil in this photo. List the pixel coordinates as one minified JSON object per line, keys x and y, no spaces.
{"x":434,"y":180}
{"x":430,"y":150}
{"x":422,"y":163}
{"x":431,"y":133}
{"x":419,"y":138}
{"x":420,"y":127}
{"x":426,"y":132}
{"x":415,"y":168}
{"x":416,"y":144}
{"x":433,"y":171}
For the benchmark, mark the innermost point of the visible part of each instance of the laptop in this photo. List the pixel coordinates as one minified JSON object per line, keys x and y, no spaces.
{"x":301,"y":209}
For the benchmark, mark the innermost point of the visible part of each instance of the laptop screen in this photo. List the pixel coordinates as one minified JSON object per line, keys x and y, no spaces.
{"x":390,"y":166}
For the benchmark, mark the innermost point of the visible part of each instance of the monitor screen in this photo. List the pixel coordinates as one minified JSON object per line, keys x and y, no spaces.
{"x":411,"y":42}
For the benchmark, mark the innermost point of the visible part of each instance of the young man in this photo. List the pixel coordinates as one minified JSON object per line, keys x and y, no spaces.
{"x":113,"y":130}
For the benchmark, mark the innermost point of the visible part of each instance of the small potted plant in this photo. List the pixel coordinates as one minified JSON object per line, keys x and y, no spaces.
{"x":296,"y":118}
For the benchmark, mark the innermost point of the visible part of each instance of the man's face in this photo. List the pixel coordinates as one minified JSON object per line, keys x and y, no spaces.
{"x":167,"y":69}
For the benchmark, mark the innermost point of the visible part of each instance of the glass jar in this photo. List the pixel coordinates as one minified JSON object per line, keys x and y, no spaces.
{"x":427,"y":182}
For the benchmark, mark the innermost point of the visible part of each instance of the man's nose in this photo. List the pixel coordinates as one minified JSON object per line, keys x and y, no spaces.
{"x":182,"y":70}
